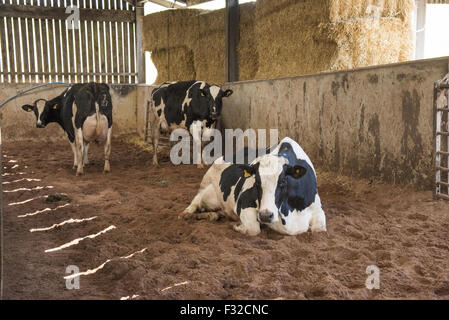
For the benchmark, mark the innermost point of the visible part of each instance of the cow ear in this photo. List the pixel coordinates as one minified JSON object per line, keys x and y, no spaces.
{"x":228,"y":93}
{"x":27,"y":107}
{"x":296,"y":171}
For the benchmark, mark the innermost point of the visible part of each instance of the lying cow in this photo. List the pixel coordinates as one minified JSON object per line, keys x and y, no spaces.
{"x":84,"y":112}
{"x":278,"y":189}
{"x":189,"y":105}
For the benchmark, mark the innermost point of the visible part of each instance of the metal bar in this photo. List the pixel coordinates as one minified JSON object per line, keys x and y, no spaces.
{"x":436,"y":144}
{"x":232,"y":39}
{"x":443,"y":153}
{"x":442,"y":196}
{"x":445,"y":184}
{"x":140,"y":52}
{"x":442,"y":86}
{"x":446,"y":134}
{"x":15,"y":11}
{"x":442,"y":169}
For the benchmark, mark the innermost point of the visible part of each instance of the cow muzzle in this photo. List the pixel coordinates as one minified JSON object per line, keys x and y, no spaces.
{"x":266,"y":216}
{"x":39,"y":125}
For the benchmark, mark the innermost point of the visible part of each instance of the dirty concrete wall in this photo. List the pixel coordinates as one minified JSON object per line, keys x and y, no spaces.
{"x":373,"y":122}
{"x":17,"y":124}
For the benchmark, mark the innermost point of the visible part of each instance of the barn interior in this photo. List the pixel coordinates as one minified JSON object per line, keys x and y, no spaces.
{"x":350,"y":80}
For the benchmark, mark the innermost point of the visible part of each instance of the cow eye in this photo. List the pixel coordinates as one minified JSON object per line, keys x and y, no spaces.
{"x":296,"y":172}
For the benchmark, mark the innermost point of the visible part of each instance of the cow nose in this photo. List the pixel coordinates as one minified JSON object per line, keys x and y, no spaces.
{"x":266,"y":216}
{"x":40,"y":125}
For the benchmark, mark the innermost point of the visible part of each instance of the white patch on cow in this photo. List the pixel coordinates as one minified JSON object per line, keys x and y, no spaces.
{"x":214,"y":91}
{"x":300,"y":154}
{"x":75,"y":160}
{"x":249,"y":225}
{"x":298,"y":222}
{"x":270,"y":167}
{"x":187,"y":100}
{"x":40,"y":104}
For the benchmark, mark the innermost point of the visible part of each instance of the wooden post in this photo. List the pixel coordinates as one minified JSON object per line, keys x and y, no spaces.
{"x":232,"y":39}
{"x":140,"y":53}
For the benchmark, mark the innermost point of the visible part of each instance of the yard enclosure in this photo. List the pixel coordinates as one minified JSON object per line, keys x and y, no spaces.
{"x":371,"y":122}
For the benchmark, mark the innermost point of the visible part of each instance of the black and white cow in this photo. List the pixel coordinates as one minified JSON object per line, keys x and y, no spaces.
{"x":278,"y":189}
{"x":185,"y":105}
{"x":84,"y":112}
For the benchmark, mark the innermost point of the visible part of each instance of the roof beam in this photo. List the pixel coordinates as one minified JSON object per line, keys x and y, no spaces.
{"x":169,"y":4}
{"x":195,"y":2}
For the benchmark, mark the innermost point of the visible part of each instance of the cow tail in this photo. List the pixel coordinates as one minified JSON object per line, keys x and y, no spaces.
{"x":97,"y":114}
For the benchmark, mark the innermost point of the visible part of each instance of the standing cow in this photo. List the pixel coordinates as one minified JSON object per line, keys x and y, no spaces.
{"x":278,"y":189}
{"x":190,"y":105}
{"x":84,"y":112}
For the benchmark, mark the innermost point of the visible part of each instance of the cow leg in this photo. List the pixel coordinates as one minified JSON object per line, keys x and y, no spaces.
{"x":155,"y":134}
{"x":205,"y":200}
{"x":107,"y":151}
{"x":86,"y":150}
{"x":79,"y":142}
{"x":75,"y":160}
{"x":195,"y":131}
{"x":249,"y":225}
{"x":318,"y":220}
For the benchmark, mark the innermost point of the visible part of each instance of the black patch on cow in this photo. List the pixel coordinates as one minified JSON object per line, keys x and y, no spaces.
{"x":234,"y":175}
{"x":294,"y":192}
{"x":159,"y":112}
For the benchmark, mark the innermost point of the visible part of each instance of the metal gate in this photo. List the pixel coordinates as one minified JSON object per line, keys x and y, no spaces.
{"x":441,"y":126}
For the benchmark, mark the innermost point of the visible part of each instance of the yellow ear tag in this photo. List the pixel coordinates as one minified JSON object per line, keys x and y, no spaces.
{"x":298,"y":171}
{"x":29,"y":109}
{"x":246,"y":173}
{"x":55,"y":106}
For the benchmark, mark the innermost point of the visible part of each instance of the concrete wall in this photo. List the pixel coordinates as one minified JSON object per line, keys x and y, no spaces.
{"x":372,"y":122}
{"x":17,"y":124}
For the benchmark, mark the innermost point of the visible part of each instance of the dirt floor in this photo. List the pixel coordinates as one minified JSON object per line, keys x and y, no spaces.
{"x":403,"y":232}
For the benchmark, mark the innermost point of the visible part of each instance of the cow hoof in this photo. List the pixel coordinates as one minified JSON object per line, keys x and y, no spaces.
{"x":186,"y":215}
{"x":79,"y":174}
{"x":209,"y":216}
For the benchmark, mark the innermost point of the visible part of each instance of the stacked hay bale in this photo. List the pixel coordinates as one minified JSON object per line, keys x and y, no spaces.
{"x":190,"y":44}
{"x":281,"y":38}
{"x":298,"y":37}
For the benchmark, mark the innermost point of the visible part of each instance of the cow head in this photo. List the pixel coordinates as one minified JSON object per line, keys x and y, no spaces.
{"x":288,"y":184}
{"x":210,"y":100}
{"x":45,"y":111}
